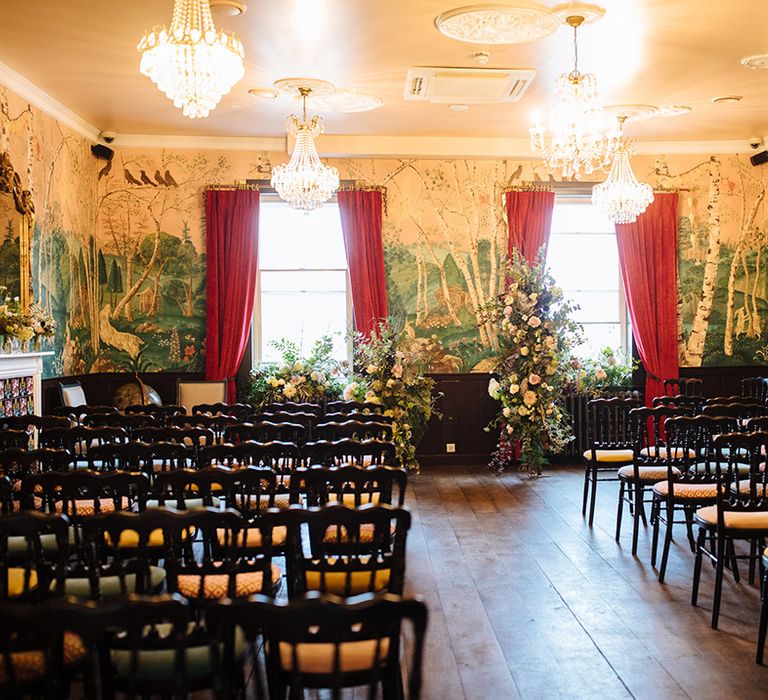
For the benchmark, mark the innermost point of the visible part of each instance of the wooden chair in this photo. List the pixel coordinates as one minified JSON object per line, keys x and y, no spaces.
{"x":351,"y":486}
{"x":265,"y":431}
{"x":161,"y":413}
{"x":689,"y":404}
{"x":763,"y":622}
{"x":308,"y":420}
{"x":72,"y":393}
{"x":325,"y":642}
{"x":610,"y":445}
{"x":688,"y":386}
{"x":294,"y":407}
{"x":14,"y":438}
{"x":242,"y":411}
{"x":691,"y":480}
{"x":190,"y":393}
{"x":742,"y":412}
{"x":193,"y":438}
{"x":352,"y":407}
{"x":76,"y":413}
{"x":347,"y":451}
{"x":146,"y":457}
{"x":351,"y":550}
{"x":216,"y":424}
{"x":740,"y":511}
{"x":32,"y":421}
{"x":340,"y":417}
{"x":755,"y":387}
{"x":130,"y":423}
{"x":353,"y":430}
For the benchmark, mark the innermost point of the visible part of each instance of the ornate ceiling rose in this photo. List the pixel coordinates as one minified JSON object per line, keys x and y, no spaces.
{"x":758,"y":62}
{"x":346,"y":101}
{"x":498,"y":24}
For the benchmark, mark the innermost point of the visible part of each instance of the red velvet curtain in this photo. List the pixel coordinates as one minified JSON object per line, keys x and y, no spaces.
{"x":648,"y":261}
{"x":361,"y":218}
{"x":529,"y":217}
{"x":232,"y":242}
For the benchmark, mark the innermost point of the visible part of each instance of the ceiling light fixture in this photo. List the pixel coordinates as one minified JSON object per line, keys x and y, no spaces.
{"x":497,"y":24}
{"x":227,"y":8}
{"x":622,"y":197}
{"x":192,"y":63}
{"x":305,"y":182}
{"x":758,"y":62}
{"x":727,"y":99}
{"x":579,"y":137}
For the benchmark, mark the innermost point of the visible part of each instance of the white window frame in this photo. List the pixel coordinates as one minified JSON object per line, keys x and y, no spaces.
{"x":582,"y":196}
{"x":256,"y":335}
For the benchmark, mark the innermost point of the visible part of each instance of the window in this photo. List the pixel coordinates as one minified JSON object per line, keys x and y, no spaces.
{"x":583,"y":258}
{"x":303,"y":292}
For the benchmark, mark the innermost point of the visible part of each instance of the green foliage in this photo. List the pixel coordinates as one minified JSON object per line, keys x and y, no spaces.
{"x":610,"y":368}
{"x":389,"y":370}
{"x":536,"y":336}
{"x":316,"y":378}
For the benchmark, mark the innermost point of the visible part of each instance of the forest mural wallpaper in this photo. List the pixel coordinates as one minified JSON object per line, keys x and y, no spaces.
{"x":119,"y":247}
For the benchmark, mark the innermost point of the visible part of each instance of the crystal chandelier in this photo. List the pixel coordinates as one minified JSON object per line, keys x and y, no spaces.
{"x":577,"y":139}
{"x":192,"y":63}
{"x":305,"y":182}
{"x":622,"y":197}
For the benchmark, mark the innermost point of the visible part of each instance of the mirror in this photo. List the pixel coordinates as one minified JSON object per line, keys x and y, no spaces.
{"x":17,"y":220}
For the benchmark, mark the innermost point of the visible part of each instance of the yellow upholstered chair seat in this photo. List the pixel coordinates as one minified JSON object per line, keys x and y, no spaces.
{"x":282,"y":501}
{"x":665,"y":452}
{"x":619,"y":456}
{"x":86,"y":507}
{"x":734,"y":520}
{"x":29,"y":665}
{"x":251,"y":537}
{"x":336,"y":581}
{"x":683,"y":490}
{"x":319,"y":658}
{"x":348,"y":499}
{"x":217,"y":585}
{"x":17,"y":580}
{"x":366,"y":533}
{"x":647,"y":474}
{"x":130,"y":538}
{"x":760,"y":489}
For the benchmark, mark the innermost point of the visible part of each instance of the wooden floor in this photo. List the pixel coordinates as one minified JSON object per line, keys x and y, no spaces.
{"x":526,"y":601}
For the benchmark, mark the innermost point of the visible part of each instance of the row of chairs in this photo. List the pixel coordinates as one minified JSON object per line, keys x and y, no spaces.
{"x":142,"y":646}
{"x":701,"y":464}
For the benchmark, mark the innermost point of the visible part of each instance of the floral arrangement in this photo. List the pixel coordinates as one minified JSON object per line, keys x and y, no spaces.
{"x":315,"y":378}
{"x":609,"y":369}
{"x":535,"y":336}
{"x":15,"y":322}
{"x":390,"y":367}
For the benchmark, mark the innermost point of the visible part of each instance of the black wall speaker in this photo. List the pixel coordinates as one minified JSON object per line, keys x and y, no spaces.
{"x":759,"y":158}
{"x":102,"y":151}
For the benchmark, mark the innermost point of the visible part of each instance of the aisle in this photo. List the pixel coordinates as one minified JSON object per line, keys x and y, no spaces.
{"x":527,"y":602}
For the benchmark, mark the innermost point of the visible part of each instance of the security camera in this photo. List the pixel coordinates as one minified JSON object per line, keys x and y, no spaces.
{"x":755,"y":142}
{"x":108,"y":136}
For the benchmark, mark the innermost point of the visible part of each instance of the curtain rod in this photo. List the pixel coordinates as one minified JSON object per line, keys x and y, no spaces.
{"x":529,"y":187}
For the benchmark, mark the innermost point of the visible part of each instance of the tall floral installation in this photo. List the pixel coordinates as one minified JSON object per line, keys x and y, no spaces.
{"x":536,"y":336}
{"x":390,"y":368}
{"x":316,"y":378}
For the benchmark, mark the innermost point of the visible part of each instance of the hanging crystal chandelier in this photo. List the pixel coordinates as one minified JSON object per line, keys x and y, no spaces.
{"x":578,"y":138}
{"x":305,"y":182}
{"x":622,"y":197}
{"x":192,"y":63}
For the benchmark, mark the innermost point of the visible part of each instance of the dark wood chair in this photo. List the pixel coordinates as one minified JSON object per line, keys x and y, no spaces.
{"x":691,"y":480}
{"x":352,"y":407}
{"x":192,"y":488}
{"x":265,"y":431}
{"x":763,"y":622}
{"x":688,"y":386}
{"x":742,"y":412}
{"x":340,"y":417}
{"x":77,"y":413}
{"x":308,"y":420}
{"x":755,"y":387}
{"x":610,"y":445}
{"x":159,"y":412}
{"x":351,"y":486}
{"x":294,"y":407}
{"x":216,"y":424}
{"x":351,"y":550}
{"x":353,"y":430}
{"x":740,"y":511}
{"x":689,"y":404}
{"x":14,"y":438}
{"x":128,"y":422}
{"x":32,"y":421}
{"x":242,"y":411}
{"x":325,"y":642}
{"x":193,"y":438}
{"x":364,"y":453}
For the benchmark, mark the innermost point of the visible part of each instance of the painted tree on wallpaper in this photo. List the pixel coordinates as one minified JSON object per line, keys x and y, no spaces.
{"x":157,"y":301}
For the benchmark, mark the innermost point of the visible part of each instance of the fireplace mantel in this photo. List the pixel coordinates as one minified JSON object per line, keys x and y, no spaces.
{"x":21,"y":380}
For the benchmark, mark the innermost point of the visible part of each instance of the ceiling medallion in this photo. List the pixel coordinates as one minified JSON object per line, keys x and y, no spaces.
{"x":622,"y":197}
{"x":497,"y":24}
{"x":633,"y":112}
{"x":305,"y":182}
{"x":673,"y":110}
{"x":192,"y":63}
{"x":758,"y":62}
{"x":579,"y":136}
{"x":346,"y":101}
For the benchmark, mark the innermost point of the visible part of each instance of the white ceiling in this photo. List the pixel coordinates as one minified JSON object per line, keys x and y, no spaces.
{"x":83,"y":54}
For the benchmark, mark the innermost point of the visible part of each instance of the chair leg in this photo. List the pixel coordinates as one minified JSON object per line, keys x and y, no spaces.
{"x":697,"y":565}
{"x":594,"y":497}
{"x":667,"y":543}
{"x":586,"y":490}
{"x":734,"y":562}
{"x":655,"y":522}
{"x":763,"y":624}
{"x":722,"y":545}
{"x":688,"y":512}
{"x":620,"y":509}
{"x":638,"y":490}
{"x":752,"y":558}
{"x":641,"y":503}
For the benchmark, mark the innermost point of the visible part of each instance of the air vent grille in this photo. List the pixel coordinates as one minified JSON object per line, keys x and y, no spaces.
{"x":467,"y":85}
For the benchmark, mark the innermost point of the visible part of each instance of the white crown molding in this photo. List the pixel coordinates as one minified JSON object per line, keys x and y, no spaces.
{"x":203,"y":143}
{"x":42,"y":100}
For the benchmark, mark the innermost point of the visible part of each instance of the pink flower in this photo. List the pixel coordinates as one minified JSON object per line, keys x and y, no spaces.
{"x":397,"y":371}
{"x":534,"y":379}
{"x":507,"y":311}
{"x":534,"y":321}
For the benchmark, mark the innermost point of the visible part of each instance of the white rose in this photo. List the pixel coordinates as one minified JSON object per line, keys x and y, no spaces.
{"x":507,"y":412}
{"x":524,"y":351}
{"x":514,"y":388}
{"x":371,"y":369}
{"x":493,"y":388}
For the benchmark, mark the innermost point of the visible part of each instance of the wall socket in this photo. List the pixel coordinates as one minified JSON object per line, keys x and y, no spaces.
{"x":450,"y":447}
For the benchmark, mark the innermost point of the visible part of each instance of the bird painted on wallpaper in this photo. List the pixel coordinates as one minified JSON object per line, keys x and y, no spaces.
{"x":169,"y":179}
{"x":130,"y":178}
{"x":145,"y":179}
{"x":105,"y":170}
{"x":159,"y":178}
{"x":518,"y":172}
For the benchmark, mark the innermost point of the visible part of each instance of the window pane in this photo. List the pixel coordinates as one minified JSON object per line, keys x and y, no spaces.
{"x":579,"y":218}
{"x":599,"y":307}
{"x":291,"y":239}
{"x":584,"y":262}
{"x":304,"y":281}
{"x":598,"y":336}
{"x":303,"y":318}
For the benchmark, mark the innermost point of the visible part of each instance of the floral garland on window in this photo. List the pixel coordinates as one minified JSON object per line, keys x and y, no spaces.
{"x":390,"y":370}
{"x":313,"y":379}
{"x":535,"y":337}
